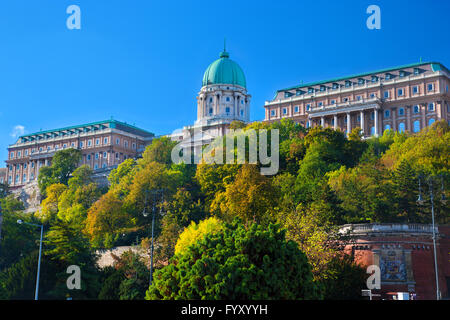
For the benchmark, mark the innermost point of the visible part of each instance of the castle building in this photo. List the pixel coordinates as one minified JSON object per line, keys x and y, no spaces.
{"x":404,"y":98}
{"x":103,"y":146}
{"x":222,"y":99}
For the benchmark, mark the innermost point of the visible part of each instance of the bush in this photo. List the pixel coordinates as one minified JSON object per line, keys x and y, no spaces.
{"x":237,"y":263}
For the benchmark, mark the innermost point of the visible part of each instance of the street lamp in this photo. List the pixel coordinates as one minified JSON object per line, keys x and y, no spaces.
{"x":145,"y":214}
{"x":40,"y":252}
{"x":420,"y":201}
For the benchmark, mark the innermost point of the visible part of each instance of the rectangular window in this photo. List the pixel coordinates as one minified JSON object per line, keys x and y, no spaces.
{"x":284,"y":111}
{"x":105,"y":141}
{"x":117,"y":141}
{"x":386,"y":94}
{"x":431,"y":107}
{"x":272,"y":113}
{"x":400,"y":92}
{"x":415,"y":90}
{"x":296,"y":109}
{"x":97,"y":141}
{"x":430,"y":87}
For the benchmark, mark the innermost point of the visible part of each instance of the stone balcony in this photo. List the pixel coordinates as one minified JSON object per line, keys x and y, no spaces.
{"x":369,"y":228}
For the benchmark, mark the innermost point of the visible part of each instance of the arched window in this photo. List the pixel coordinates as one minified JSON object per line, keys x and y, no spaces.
{"x":387,"y":127}
{"x":387,"y":113}
{"x":416,"y":126}
{"x":401,"y":111}
{"x":416,"y":109}
{"x":372,"y":131}
{"x":401,"y":127}
{"x":431,"y":121}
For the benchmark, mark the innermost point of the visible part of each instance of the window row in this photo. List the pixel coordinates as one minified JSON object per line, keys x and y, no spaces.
{"x":416,"y":109}
{"x":401,"y":91}
{"x":416,"y":126}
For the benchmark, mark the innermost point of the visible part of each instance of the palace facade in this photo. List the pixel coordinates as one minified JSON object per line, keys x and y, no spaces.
{"x":103,"y":146}
{"x":404,"y":98}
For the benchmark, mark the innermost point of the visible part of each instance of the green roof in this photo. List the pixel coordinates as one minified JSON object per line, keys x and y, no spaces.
{"x":112,"y":124}
{"x":435,"y":66}
{"x":224,"y":71}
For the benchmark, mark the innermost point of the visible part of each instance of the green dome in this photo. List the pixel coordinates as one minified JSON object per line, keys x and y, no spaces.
{"x":224,"y":71}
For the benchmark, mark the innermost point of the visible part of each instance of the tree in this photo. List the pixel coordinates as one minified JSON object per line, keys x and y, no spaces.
{"x":64,"y":162}
{"x":250,"y":197}
{"x":105,"y":220}
{"x":66,"y":246}
{"x":196,"y":232}
{"x":344,"y":279}
{"x":160,"y":150}
{"x":16,"y":240}
{"x":238,"y":263}
{"x":126,"y":280}
{"x":49,"y":206}
{"x":179,"y":213}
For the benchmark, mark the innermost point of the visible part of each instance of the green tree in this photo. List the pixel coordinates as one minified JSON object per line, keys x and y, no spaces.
{"x":251,"y":197}
{"x":64,"y":162}
{"x":127,"y":279}
{"x":238,"y":263}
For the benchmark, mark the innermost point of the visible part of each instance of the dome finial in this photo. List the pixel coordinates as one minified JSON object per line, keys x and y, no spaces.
{"x":224,"y":53}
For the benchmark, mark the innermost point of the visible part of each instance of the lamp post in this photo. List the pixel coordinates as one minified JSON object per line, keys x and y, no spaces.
{"x":145,"y":214}
{"x":420,"y":201}
{"x":36,"y":294}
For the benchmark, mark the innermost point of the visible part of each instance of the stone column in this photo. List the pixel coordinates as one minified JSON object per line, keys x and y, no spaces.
{"x":335,"y":119}
{"x":200,"y":108}
{"x":235,"y":104}
{"x":394,"y":119}
{"x":362,"y":123}
{"x":438,"y":110}
{"x":322,"y":122}
{"x":376,"y":122}
{"x":423,"y":111}
{"x":219,"y":100}
{"x":349,"y":123}
{"x":408,"y":118}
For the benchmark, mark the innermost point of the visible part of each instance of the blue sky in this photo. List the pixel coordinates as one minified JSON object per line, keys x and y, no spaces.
{"x":142,"y":62}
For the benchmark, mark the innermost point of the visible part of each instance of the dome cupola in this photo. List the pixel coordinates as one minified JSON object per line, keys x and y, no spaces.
{"x":224,"y":71}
